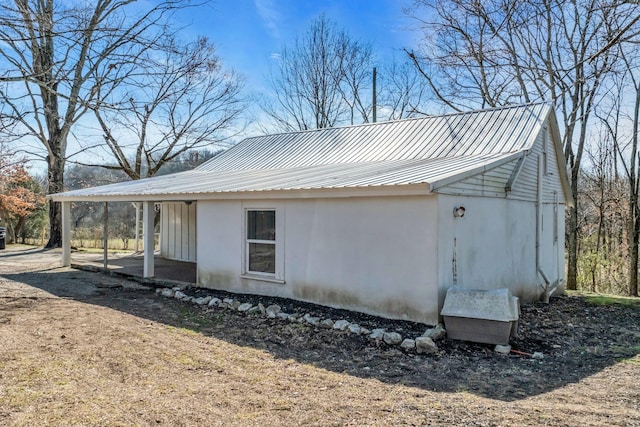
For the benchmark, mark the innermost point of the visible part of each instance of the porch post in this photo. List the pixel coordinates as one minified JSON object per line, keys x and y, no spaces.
{"x":66,"y":234}
{"x":148,"y":212}
{"x":137,"y":205}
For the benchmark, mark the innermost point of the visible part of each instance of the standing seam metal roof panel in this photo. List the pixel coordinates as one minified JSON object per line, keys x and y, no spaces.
{"x":477,"y":132}
{"x":341,"y":175}
{"x":431,"y":150}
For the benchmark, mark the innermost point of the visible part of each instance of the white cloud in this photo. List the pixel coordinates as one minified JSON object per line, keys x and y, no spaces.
{"x":270,"y":16}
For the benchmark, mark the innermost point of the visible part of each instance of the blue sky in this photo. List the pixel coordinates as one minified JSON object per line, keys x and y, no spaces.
{"x":248,"y":32}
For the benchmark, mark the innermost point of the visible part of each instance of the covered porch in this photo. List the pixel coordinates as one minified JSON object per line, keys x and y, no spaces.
{"x":176,"y":260}
{"x":132,"y":265}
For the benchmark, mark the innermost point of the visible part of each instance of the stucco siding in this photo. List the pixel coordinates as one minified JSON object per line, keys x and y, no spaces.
{"x":178,"y":231}
{"x":375,"y":255}
{"x":492,"y":246}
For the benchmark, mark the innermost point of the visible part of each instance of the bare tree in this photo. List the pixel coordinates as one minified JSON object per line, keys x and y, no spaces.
{"x":319,"y":80}
{"x":499,"y":52}
{"x":622,"y":125}
{"x":603,"y":219}
{"x":57,"y":58}
{"x":180,"y":99}
{"x":403,"y":91}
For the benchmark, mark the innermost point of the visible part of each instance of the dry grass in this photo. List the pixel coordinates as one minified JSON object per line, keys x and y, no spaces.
{"x":76,"y":361}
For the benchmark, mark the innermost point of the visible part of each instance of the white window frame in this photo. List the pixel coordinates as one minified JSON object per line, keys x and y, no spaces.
{"x":278,"y":276}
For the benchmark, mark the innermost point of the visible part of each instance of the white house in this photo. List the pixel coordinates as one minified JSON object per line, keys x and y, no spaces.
{"x":380,"y":218}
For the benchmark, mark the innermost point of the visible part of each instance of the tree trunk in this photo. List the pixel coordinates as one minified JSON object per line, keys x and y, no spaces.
{"x":56,"y":185}
{"x":17,"y":229}
{"x":633,"y":262}
{"x":572,"y":268}
{"x":633,"y":199}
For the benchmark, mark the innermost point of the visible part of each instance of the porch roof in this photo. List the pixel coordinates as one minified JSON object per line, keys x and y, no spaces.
{"x":392,"y":176}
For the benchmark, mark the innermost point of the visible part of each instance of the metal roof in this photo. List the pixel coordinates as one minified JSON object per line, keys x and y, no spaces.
{"x":196,"y":183}
{"x":416,"y":153}
{"x":501,"y":130}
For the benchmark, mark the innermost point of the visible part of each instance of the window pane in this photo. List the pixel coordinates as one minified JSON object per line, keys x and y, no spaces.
{"x":262,"y":257}
{"x":261,"y":225}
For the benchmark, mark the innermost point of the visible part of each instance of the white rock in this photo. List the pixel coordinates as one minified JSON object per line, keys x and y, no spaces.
{"x":261,"y":308}
{"x":341,"y":325}
{"x":271,"y":315}
{"x":327,"y":323}
{"x":311,"y":319}
{"x":408,"y":344}
{"x":179,"y":295}
{"x":159,"y":290}
{"x":235,"y":305}
{"x":228,"y":301}
{"x":214,"y":301}
{"x":364,"y":331}
{"x":202,"y":300}
{"x":177,"y":288}
{"x":273,"y":308}
{"x":502,"y":349}
{"x":537,"y":355}
{"x":245,"y":307}
{"x":392,"y":338}
{"x":223,"y":305}
{"x":254,"y":310}
{"x":436,"y":333}
{"x":354,"y":328}
{"x":283,"y":316}
{"x":425,"y":345}
{"x":167,"y":293}
{"x":377,"y":334}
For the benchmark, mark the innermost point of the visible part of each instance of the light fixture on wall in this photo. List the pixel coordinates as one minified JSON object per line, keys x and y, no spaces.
{"x":188,"y":202}
{"x":458,"y":211}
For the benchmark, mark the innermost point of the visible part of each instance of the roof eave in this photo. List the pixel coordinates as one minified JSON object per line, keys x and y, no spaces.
{"x":459,"y":176}
{"x":419,"y":189}
{"x":562,"y":169}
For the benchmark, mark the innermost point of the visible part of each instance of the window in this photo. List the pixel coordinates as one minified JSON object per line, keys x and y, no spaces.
{"x":261,"y":242}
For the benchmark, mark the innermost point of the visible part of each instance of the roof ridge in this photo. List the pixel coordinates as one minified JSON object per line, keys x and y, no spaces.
{"x":408,"y":119}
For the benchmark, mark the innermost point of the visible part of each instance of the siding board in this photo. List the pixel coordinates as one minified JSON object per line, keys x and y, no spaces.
{"x":178,"y":231}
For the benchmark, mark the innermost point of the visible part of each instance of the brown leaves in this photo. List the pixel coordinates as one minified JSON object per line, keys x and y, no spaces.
{"x":19,"y":192}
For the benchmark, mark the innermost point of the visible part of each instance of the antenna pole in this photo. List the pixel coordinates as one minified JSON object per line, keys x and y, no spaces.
{"x":375,"y":101}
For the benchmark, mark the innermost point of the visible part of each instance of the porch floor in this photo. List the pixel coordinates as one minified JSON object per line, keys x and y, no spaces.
{"x":132,"y":265}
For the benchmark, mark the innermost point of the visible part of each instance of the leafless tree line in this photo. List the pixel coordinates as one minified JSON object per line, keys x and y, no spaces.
{"x":120,"y":66}
{"x":499,"y":52}
{"x":67,"y":65}
{"x":325,"y":78}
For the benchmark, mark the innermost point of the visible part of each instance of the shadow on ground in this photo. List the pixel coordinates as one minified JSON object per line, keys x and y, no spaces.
{"x":577,"y":339}
{"x":133,"y":265}
{"x":29,"y":250}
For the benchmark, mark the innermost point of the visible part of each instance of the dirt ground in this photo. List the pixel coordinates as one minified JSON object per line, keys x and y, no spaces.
{"x":81,"y":348}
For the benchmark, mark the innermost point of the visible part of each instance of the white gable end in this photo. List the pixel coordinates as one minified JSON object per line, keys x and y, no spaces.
{"x":515,"y":181}
{"x":525,"y":187}
{"x":491,"y":183}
